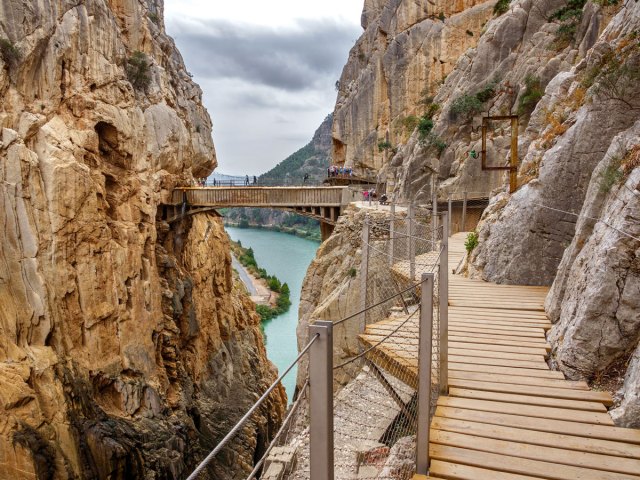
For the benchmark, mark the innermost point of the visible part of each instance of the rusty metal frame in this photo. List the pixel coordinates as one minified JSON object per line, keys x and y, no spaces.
{"x":513,"y":166}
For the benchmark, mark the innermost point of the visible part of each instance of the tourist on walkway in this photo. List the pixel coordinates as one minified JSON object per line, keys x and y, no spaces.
{"x":246,"y":180}
{"x":255,"y":180}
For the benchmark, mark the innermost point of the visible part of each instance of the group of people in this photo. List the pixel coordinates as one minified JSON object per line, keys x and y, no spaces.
{"x":371,"y":194}
{"x":200,"y":182}
{"x":334,"y":171}
{"x":246,"y":180}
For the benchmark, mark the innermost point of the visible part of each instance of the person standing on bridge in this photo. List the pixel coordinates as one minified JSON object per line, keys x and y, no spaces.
{"x":246,"y":180}
{"x":255,"y":180}
{"x":306,"y":177}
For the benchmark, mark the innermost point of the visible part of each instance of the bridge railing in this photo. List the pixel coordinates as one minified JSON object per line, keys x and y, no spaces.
{"x":260,"y":196}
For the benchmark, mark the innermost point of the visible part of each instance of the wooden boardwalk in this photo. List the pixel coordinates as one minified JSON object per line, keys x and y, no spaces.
{"x":507,"y":415}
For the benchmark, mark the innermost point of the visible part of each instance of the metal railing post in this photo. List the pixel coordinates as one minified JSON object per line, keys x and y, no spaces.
{"x":364,"y":272}
{"x":424,"y":374}
{"x":412,"y":244}
{"x":321,"y":401}
{"x":443,"y":311}
{"x":449,"y":210}
{"x":392,"y":240}
{"x":434,"y":219}
{"x":463,"y":228}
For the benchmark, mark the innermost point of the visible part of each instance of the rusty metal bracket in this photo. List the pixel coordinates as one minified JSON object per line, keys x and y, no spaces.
{"x":513,"y":166}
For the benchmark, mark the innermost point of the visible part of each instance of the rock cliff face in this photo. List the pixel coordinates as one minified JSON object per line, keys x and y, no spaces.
{"x":125,"y":351}
{"x":571,"y":71}
{"x":406,"y":51}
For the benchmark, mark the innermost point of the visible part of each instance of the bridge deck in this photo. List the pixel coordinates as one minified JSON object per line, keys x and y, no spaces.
{"x":508,"y":416}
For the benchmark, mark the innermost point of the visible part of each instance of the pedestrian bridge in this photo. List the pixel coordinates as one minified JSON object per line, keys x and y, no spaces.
{"x":321,"y":203}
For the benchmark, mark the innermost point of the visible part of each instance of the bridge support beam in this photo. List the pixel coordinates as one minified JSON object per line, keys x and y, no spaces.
{"x":326,"y":229}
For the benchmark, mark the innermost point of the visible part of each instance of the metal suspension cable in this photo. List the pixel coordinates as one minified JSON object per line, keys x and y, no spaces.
{"x":579,"y":215}
{"x":285,"y":422}
{"x":381,"y":302}
{"x":247,"y":415}
{"x":360,"y":355}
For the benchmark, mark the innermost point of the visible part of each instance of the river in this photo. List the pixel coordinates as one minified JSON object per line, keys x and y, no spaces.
{"x":287,"y":257}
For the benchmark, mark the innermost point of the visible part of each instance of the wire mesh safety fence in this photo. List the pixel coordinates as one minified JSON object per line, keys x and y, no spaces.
{"x":376,"y":413}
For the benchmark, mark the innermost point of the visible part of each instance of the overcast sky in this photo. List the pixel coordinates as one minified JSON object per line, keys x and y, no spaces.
{"x":267,"y":69}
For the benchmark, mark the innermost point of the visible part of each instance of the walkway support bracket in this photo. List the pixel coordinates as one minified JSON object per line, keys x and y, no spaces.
{"x":425,"y":349}
{"x":321,"y":401}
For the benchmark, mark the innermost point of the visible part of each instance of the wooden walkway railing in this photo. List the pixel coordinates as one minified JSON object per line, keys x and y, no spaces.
{"x":272,"y":197}
{"x":507,"y":415}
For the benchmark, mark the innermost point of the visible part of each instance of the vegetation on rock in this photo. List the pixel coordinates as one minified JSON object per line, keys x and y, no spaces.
{"x":533,"y":92}
{"x":138,"y":70}
{"x":501,"y":7}
{"x":471,"y":242}
{"x":9,"y":52}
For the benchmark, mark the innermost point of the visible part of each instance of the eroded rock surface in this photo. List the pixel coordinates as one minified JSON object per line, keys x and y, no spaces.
{"x":125,"y":351}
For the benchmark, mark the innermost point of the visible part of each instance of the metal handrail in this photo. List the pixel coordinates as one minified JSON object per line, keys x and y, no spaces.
{"x":247,"y":415}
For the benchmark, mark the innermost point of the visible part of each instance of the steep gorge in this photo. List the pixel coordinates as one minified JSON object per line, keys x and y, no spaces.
{"x":125,"y":349}
{"x":570,"y":71}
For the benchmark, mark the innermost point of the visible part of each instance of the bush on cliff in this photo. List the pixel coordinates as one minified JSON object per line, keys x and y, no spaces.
{"x":138,"y":70}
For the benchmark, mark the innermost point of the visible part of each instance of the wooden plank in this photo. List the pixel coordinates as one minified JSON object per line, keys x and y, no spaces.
{"x":577,"y":429}
{"x":565,"y":393}
{"x":496,"y":342}
{"x":519,"y":465}
{"x":596,"y":418}
{"x":467,"y":472}
{"x":474,"y":367}
{"x":498,"y":333}
{"x":557,"y":440}
{"x":491,"y":304}
{"x":497,"y":354}
{"x":504,"y":322}
{"x":503,"y":362}
{"x":527,"y":399}
{"x":519,"y":380}
{"x":496,"y":328}
{"x":497,"y":312}
{"x":496,"y":348}
{"x":575,"y":461}
{"x":517,"y":340}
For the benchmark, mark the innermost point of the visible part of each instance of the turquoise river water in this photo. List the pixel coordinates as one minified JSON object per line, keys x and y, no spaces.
{"x":287,"y":257}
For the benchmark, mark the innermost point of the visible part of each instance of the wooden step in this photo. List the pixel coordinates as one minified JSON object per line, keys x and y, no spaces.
{"x":603,"y":432}
{"x":518,"y":465}
{"x":518,"y":380}
{"x":566,"y":393}
{"x":466,"y":472}
{"x":566,"y":463}
{"x":528,"y":400}
{"x":557,"y":440}
{"x":503,"y":362}
{"x":583,"y":416}
{"x":474,"y":367}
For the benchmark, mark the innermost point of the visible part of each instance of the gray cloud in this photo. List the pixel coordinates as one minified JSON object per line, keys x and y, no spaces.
{"x":294,"y":59}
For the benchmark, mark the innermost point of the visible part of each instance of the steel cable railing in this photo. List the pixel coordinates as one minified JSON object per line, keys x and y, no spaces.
{"x":251,"y":411}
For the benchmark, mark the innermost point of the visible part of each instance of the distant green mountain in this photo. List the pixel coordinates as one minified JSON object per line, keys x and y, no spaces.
{"x":312,"y":159}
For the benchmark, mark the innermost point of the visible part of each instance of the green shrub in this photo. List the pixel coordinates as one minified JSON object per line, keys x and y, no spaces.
{"x":384,"y":145}
{"x":532,"y":94}
{"x":425,"y":125}
{"x":138,"y":70}
{"x":466,"y":106}
{"x":154,"y":18}
{"x":10,"y":53}
{"x":409,"y":123}
{"x":501,"y":7}
{"x":611,"y":175}
{"x":471,"y":242}
{"x":487,"y":93}
{"x":352,"y":272}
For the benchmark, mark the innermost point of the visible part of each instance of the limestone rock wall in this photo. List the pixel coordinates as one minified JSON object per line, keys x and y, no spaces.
{"x":125,"y":352}
{"x":408,"y":47}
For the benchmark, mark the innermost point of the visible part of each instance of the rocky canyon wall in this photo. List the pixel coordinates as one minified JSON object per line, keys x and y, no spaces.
{"x":125,"y":351}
